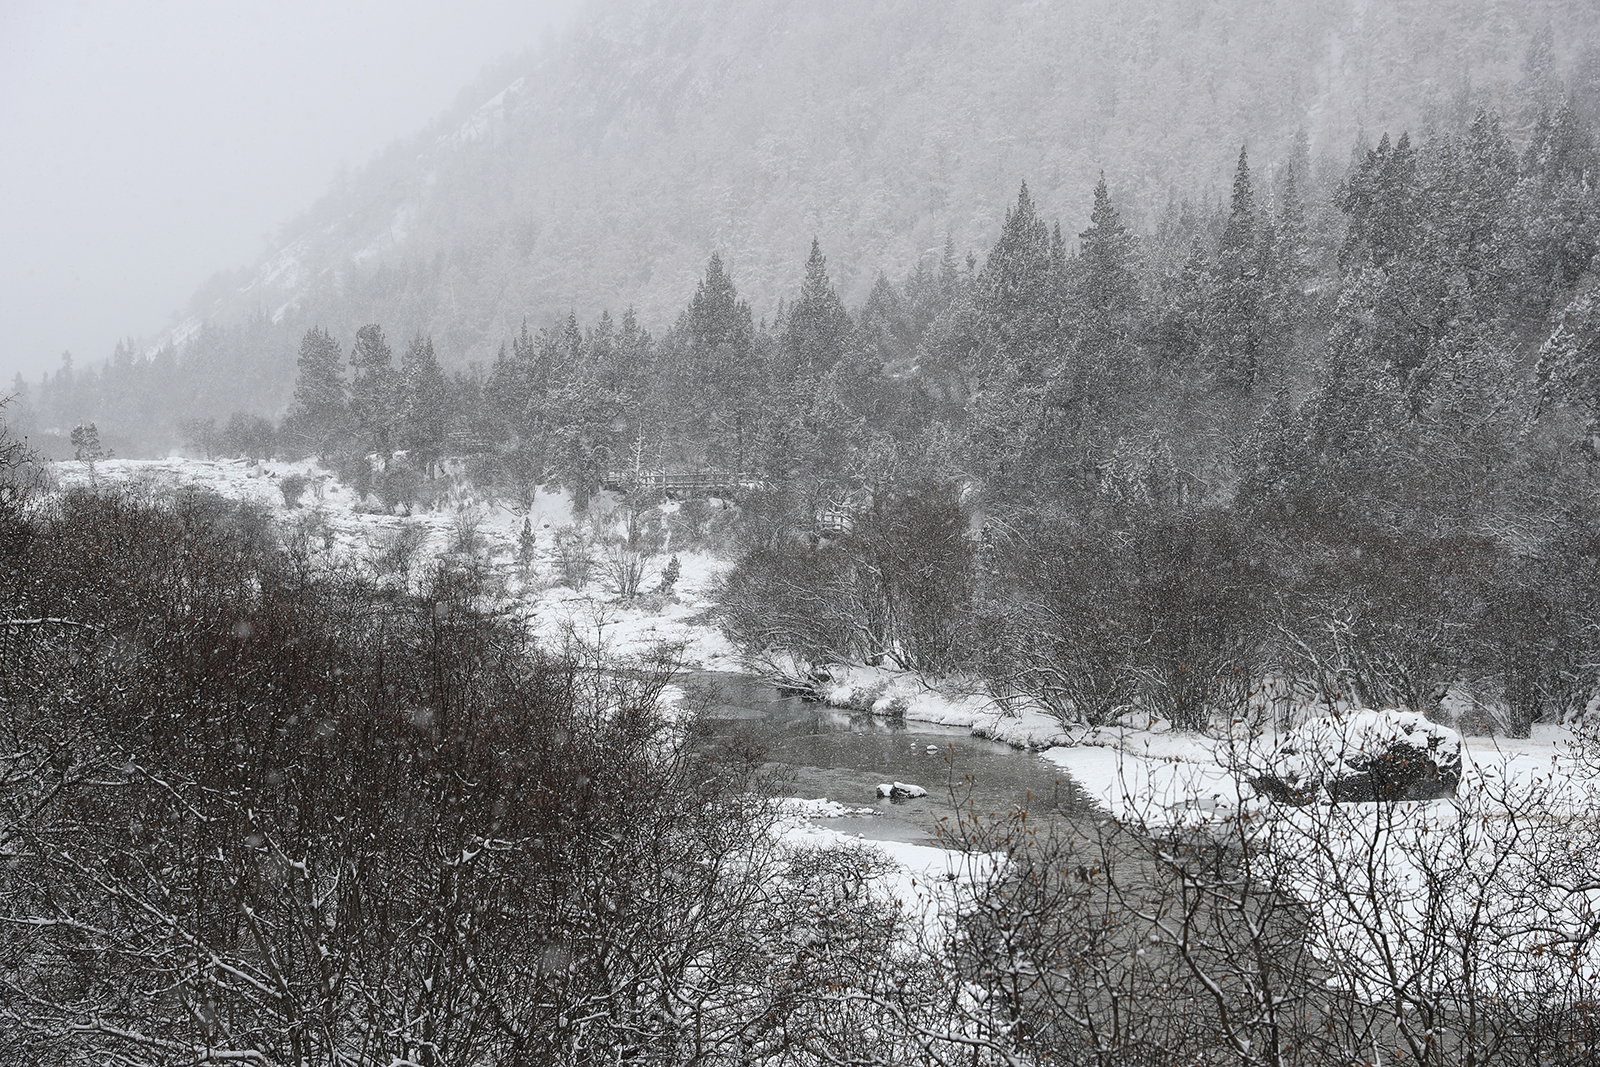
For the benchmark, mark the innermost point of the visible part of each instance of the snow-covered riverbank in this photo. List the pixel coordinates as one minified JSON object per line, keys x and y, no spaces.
{"x":338,"y":527}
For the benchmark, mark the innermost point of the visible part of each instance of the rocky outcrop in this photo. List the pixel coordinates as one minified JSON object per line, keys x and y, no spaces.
{"x":1363,"y":755}
{"x":901,"y":791}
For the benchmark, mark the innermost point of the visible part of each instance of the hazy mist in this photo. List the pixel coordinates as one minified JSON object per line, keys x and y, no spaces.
{"x":148,"y":146}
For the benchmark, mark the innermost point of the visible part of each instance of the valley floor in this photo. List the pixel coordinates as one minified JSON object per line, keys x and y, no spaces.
{"x":1141,"y":772}
{"x":1143,"y":769}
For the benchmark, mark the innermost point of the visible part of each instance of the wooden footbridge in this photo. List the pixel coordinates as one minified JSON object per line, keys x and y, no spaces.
{"x":681,"y":485}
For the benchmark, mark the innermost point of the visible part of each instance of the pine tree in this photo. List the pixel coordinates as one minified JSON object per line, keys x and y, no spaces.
{"x":1560,"y":207}
{"x":86,"y":444}
{"x":1100,"y":379}
{"x":1180,"y":326}
{"x":1108,"y":296}
{"x":423,"y":401}
{"x":887,"y":328}
{"x":719,"y":374}
{"x":320,"y":409}
{"x":1293,"y":253}
{"x":1478,"y":235}
{"x":1380,"y":198}
{"x":818,"y":328}
{"x":1234,"y":328}
{"x":1020,"y":296}
{"x":374,"y":394}
{"x":515,"y":386}
{"x":1568,"y":372}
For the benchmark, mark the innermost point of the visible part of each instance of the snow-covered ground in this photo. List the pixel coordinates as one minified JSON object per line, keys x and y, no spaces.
{"x":959,"y":702}
{"x":339,"y":527}
{"x":923,"y":879}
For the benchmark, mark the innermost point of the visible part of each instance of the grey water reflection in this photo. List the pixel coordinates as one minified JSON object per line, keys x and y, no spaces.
{"x":819,"y":751}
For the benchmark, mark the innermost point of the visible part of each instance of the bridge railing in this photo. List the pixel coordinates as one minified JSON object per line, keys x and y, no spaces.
{"x":681,"y":484}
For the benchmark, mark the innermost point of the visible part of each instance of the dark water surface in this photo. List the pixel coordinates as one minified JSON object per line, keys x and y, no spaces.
{"x":819,"y":751}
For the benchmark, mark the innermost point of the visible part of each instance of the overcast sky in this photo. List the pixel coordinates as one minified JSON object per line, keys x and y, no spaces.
{"x":145,"y":146}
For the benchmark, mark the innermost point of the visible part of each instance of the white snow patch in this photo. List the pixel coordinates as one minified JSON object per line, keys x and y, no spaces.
{"x":820,"y":808}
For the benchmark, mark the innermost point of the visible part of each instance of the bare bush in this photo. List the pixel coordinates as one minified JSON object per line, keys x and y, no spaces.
{"x":394,"y":551}
{"x":629,"y":551}
{"x":1457,"y":932}
{"x":898,"y":590}
{"x":252,"y":817}
{"x":574,"y":555}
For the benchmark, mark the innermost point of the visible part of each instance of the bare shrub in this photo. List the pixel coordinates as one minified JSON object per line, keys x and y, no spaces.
{"x":574,"y":555}
{"x":628,"y":552}
{"x":466,"y":532}
{"x":898,"y":590}
{"x":293,"y":487}
{"x":394,"y":551}
{"x":279,"y":821}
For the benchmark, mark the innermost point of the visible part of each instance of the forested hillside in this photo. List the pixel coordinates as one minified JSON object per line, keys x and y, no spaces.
{"x":1346,"y":436}
{"x":602,"y":171}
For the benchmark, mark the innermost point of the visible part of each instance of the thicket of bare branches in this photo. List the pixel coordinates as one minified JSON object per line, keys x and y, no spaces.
{"x":256,"y":813}
{"x":1455,"y":933}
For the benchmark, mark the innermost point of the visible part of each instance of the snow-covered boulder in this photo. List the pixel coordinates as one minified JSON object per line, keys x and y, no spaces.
{"x":901,"y":791}
{"x":1364,"y":755}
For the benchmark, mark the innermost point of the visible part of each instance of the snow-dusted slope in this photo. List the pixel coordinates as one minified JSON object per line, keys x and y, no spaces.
{"x":603,"y":171}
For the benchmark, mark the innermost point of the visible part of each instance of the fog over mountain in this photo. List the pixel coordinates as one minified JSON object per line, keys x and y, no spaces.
{"x":150,"y":144}
{"x":603,"y":174}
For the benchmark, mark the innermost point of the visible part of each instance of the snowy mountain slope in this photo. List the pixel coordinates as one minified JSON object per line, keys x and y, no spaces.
{"x":604,"y":171}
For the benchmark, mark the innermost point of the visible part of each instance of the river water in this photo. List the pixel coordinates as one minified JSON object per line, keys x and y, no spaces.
{"x":818,"y":751}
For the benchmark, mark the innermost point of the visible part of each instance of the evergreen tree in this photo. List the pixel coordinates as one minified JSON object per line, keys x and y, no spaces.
{"x":1560,"y":205}
{"x":423,"y":401}
{"x":1293,"y":261}
{"x":818,"y":328}
{"x":374,"y":393}
{"x":1020,"y":298}
{"x":320,"y":409}
{"x":1108,"y":295}
{"x":1099,"y":380}
{"x":718,"y":323}
{"x":1474,"y":236}
{"x":86,"y":444}
{"x":1568,"y":371}
{"x":888,"y":328}
{"x":515,"y":387}
{"x":719,"y":375}
{"x":1380,"y":200}
{"x":1234,"y":329}
{"x":1180,"y":324}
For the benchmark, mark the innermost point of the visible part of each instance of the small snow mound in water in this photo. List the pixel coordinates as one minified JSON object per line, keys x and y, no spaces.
{"x":901,"y":791}
{"x":820,"y":808}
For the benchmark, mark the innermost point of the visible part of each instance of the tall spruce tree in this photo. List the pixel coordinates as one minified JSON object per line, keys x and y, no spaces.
{"x":321,"y":403}
{"x":1380,"y":199}
{"x":424,"y":400}
{"x":1293,"y":259}
{"x":1108,"y":295}
{"x":1234,"y":331}
{"x":818,"y":328}
{"x":719,"y":374}
{"x":1020,"y":298}
{"x":374,"y":392}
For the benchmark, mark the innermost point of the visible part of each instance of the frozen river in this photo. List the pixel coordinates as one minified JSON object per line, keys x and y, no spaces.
{"x":818,"y":751}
